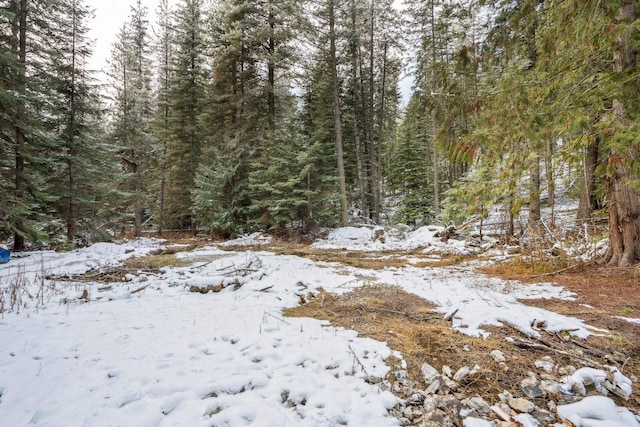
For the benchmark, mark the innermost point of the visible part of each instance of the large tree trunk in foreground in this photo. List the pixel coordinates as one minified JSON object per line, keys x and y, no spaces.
{"x":624,"y":201}
{"x":624,"y":219}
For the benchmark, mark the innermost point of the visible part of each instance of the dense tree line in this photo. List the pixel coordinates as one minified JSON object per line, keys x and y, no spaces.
{"x":230,"y":116}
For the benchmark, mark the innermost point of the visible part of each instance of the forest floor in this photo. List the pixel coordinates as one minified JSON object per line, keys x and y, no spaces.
{"x":603,"y":297}
{"x":408,"y":323}
{"x":155,"y":307}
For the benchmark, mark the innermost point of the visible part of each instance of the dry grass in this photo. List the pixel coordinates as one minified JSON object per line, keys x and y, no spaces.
{"x":369,"y":260}
{"x":155,"y":262}
{"x":601,"y":296}
{"x":409,"y":324}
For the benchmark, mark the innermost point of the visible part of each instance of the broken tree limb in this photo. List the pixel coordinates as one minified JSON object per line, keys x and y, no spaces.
{"x":449,"y":316}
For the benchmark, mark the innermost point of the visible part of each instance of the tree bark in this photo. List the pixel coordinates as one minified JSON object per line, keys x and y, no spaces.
{"x":551,"y":184}
{"x":434,"y":127}
{"x":588,"y":201}
{"x":271,"y":89}
{"x":373,"y":170}
{"x":534,"y":191}
{"x":18,"y":239}
{"x":344,"y":214}
{"x":362,"y":196}
{"x":624,"y":201}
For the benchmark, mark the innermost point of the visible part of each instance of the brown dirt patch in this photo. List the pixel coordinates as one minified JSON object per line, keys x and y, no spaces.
{"x":602,"y":295}
{"x":409,"y":324}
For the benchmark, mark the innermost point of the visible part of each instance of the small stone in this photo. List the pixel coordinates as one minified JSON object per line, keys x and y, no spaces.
{"x":430,"y":404}
{"x":405,"y":422}
{"x":498,"y":356}
{"x":401,"y":375}
{"x":505,"y":396}
{"x":461,"y":374}
{"x":429,"y":373}
{"x":449,"y":404}
{"x":433,"y":387}
{"x":531,"y":388}
{"x":467,"y":348}
{"x":522,"y":405}
{"x":446,"y":371}
{"x":475,"y":370}
{"x":477,"y":406}
{"x":451,"y":384}
{"x":526,"y":420}
{"x":566,"y":370}
{"x":544,"y":417}
{"x":374,"y":380}
{"x":416,"y":399}
{"x":503,"y":411}
{"x":549,"y":386}
{"x":545,"y":364}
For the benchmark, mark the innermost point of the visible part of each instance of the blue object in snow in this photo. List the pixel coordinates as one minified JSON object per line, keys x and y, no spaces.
{"x":4,"y":254}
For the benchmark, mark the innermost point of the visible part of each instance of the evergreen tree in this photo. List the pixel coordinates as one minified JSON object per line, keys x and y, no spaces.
{"x":409,"y":173}
{"x":187,"y":91}
{"x":253,"y":115}
{"x":81,"y":163}
{"x":133,"y":112}
{"x":164,"y":48}
{"x":26,"y":29}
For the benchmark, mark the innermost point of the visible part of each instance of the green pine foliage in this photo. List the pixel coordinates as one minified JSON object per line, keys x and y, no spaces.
{"x":410,"y":173}
{"x":187,"y":99}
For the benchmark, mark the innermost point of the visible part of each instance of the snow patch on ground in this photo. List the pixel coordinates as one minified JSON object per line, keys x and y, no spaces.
{"x":165,"y":356}
{"x":596,"y":411}
{"x":629,"y":319}
{"x":149,"y":352}
{"x":254,"y":239}
{"x":379,"y":238}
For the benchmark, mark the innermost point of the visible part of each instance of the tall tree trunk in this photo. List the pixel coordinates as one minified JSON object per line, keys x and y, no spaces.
{"x":271,"y":97}
{"x":434,"y":126}
{"x":534,"y":190}
{"x":381,"y":115}
{"x":357,"y":113}
{"x":137,"y":202}
{"x":373,"y":171}
{"x":588,"y":200}
{"x":18,"y":239}
{"x":624,"y":201}
{"x":344,"y":213}
{"x":72,"y":124}
{"x":551,"y":184}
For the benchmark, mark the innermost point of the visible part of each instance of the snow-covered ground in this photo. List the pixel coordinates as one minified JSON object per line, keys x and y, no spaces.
{"x":149,"y":352}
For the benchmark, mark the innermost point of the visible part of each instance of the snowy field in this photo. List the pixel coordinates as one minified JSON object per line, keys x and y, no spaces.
{"x":150,"y":352}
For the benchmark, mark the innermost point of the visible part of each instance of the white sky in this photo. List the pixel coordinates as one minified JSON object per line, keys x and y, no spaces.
{"x":111,"y":14}
{"x":109,"y":17}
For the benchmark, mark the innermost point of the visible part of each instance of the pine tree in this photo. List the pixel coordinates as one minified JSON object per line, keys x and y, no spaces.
{"x":26,"y":138}
{"x":253,"y":117}
{"x":133,"y":112}
{"x":409,"y":173}
{"x":187,"y":92}
{"x":162,"y":126}
{"x":81,"y":163}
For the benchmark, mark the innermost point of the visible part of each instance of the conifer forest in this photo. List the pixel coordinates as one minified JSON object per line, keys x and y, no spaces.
{"x":231,"y":116}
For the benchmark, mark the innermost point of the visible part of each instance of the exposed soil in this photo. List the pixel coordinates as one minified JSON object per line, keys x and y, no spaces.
{"x":602,"y":297}
{"x":408,"y":324}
